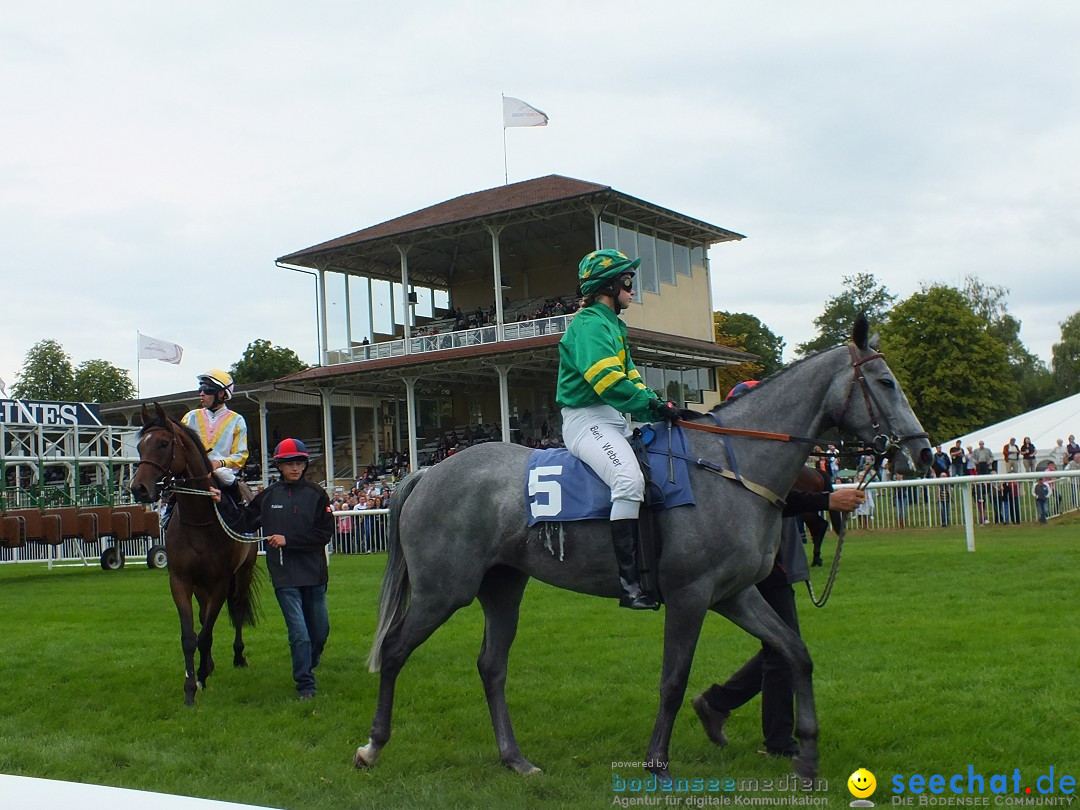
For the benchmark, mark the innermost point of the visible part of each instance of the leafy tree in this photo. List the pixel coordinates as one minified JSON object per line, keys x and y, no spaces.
{"x":863,"y":294}
{"x":261,"y":361}
{"x":1065,"y":357}
{"x":740,"y":330}
{"x":47,"y":374}
{"x":955,"y":373}
{"x":101,"y":381}
{"x":988,"y":301}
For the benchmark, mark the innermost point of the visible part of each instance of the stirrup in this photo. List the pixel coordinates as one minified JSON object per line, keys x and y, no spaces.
{"x":640,"y":602}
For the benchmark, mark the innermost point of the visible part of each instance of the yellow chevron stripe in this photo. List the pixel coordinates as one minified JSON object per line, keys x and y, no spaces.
{"x":599,"y":366}
{"x":607,"y":381}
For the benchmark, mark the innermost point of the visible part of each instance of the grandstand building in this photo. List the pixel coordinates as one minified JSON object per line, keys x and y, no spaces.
{"x":450,"y":317}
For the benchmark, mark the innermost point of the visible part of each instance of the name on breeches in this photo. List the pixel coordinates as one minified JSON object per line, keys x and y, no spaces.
{"x":607,"y":448}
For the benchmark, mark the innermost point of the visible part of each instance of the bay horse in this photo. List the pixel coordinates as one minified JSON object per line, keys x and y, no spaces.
{"x":458,"y":532}
{"x":204,"y":561}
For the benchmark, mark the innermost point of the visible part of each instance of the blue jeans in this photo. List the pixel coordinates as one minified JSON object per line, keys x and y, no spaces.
{"x":308,"y":623}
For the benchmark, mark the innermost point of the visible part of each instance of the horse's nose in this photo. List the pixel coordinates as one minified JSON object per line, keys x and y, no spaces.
{"x":140,"y":494}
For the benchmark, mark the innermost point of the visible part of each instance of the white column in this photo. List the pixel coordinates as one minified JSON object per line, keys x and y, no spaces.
{"x":264,"y":447}
{"x":410,"y":408}
{"x":355,"y":452}
{"x":348,"y":316}
{"x":328,"y":438}
{"x":324,"y":348}
{"x":497,"y":265}
{"x":370,"y":312}
{"x":376,"y":428}
{"x":406,"y":312}
{"x":504,"y":401}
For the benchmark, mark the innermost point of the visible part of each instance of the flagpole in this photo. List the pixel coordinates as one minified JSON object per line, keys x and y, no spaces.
{"x":506,"y":171}
{"x":138,"y":367}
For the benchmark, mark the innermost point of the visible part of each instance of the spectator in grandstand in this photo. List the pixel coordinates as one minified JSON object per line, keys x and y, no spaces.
{"x":296,"y":517}
{"x":1011,"y":454}
{"x":597,"y":384}
{"x":1027,"y":454}
{"x":767,"y":672}
{"x":984,"y":459}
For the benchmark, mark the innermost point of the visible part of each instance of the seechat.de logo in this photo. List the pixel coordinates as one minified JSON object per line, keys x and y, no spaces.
{"x":862,"y":784}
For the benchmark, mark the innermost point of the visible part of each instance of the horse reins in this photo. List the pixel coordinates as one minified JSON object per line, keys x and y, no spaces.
{"x":168,"y":485}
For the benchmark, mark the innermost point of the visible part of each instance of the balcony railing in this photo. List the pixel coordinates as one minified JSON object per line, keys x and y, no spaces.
{"x":423,"y":344}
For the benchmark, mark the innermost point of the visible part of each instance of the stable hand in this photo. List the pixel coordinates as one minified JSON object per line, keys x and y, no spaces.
{"x":275,"y":540}
{"x":664,"y":410}
{"x":846,"y":500}
{"x":215,"y":495}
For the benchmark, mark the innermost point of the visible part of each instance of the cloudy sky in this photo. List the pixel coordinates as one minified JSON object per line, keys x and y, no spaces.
{"x":156,"y":157}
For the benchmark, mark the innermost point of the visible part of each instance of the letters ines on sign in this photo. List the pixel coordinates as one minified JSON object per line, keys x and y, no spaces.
{"x":49,"y":414}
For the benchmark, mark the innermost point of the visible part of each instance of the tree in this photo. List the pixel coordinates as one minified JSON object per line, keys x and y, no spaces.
{"x":742,"y":331}
{"x":261,"y":361}
{"x":47,"y":374}
{"x":955,"y":373}
{"x":863,"y":294}
{"x":988,"y":302}
{"x":1066,"y":357}
{"x":101,"y":381}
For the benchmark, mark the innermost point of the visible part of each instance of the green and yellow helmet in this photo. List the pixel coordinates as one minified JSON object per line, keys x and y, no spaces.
{"x":601,"y":267}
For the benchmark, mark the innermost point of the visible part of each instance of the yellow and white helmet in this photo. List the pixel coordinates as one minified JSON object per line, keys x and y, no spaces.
{"x":218,"y":380}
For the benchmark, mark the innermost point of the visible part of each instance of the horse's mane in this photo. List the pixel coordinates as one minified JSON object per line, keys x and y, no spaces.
{"x":169,"y":424}
{"x":763,"y":383}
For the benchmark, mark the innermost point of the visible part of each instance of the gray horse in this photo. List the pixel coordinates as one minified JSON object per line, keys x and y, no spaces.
{"x":458,"y":533}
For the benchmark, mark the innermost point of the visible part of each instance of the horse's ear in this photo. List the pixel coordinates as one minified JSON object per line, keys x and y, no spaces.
{"x":161,"y":413}
{"x":861,"y":333}
{"x":875,"y":341}
{"x":145,"y":414}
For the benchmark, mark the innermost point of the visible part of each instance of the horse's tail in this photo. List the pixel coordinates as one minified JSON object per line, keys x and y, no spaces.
{"x":243,"y":600}
{"x":395,"y":587}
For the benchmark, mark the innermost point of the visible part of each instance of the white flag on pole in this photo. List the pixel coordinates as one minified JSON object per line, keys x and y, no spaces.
{"x":516,"y":113}
{"x":154,"y":349}
{"x":3,"y":387}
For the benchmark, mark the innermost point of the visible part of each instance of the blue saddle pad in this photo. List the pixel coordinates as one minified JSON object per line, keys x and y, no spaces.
{"x":559,"y":486}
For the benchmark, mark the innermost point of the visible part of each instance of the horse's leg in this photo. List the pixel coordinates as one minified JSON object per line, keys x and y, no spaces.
{"x":684,"y":614}
{"x":428,"y":610}
{"x":500,"y":596}
{"x":209,"y":607}
{"x":752,"y":613}
{"x":181,"y":594}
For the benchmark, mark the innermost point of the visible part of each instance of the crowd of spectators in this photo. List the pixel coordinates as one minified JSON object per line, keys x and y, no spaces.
{"x":521,"y":432}
{"x":458,"y":320}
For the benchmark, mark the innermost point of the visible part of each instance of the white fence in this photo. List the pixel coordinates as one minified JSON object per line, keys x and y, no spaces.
{"x":360,"y":531}
{"x":966,"y":501}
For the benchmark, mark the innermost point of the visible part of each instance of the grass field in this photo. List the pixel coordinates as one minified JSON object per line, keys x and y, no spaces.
{"x":928,"y":659}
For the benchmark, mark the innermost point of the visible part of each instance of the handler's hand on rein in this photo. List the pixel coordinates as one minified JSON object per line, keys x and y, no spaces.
{"x":215,"y":495}
{"x":846,"y":500}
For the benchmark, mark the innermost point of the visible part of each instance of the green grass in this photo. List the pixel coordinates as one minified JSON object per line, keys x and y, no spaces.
{"x":927,"y":659}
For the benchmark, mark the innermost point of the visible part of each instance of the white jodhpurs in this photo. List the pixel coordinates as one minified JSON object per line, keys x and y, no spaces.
{"x":597,"y":436}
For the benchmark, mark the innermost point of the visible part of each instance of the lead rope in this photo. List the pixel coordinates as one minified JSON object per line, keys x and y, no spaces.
{"x":239,"y":538}
{"x":867,"y":476}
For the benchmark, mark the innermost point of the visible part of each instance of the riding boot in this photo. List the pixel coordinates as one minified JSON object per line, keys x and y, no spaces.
{"x":624,"y":540}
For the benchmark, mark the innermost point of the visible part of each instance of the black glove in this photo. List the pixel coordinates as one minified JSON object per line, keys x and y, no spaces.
{"x":664,"y":410}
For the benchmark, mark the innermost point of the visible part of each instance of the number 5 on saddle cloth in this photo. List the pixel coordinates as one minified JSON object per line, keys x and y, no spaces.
{"x":561,"y":487}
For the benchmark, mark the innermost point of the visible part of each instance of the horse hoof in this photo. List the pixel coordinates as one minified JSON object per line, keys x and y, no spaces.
{"x":366,"y":756}
{"x":663,"y":778}
{"x":240,"y":663}
{"x":805,"y":767}
{"x":524,"y":767}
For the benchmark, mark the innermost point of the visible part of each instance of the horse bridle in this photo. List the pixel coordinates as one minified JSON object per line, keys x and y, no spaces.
{"x":169,"y":479}
{"x":883,"y":443}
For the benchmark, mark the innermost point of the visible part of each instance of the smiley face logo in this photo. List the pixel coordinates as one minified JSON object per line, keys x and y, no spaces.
{"x":861,"y":783}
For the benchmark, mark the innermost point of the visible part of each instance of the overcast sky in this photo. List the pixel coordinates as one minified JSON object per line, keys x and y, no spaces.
{"x":157,"y":157}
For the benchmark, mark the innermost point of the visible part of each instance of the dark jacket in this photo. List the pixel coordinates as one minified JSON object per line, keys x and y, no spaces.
{"x":301,"y":512}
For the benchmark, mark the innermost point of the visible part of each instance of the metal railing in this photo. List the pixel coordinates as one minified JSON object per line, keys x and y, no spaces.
{"x":421,"y":344}
{"x":360,"y":531}
{"x":967,"y":501}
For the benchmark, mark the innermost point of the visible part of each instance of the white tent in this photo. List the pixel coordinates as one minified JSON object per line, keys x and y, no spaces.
{"x":1044,"y":426}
